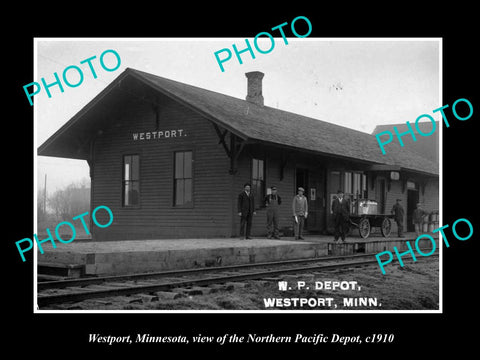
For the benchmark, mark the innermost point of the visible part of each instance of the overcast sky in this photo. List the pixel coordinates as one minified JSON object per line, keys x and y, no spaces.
{"x":357,"y":83}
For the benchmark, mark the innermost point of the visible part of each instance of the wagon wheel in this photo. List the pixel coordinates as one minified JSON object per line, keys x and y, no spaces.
{"x":364,"y":228}
{"x":386,"y":227}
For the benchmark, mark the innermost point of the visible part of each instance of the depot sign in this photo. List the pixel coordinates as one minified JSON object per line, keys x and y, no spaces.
{"x":158,"y":134}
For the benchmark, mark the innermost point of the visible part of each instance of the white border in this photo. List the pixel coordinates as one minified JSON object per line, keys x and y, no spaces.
{"x":306,"y":311}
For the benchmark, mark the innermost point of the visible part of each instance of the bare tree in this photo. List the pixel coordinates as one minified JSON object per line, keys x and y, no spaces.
{"x":71,"y":201}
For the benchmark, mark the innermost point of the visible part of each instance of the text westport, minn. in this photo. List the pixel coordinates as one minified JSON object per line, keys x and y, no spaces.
{"x":318,"y":302}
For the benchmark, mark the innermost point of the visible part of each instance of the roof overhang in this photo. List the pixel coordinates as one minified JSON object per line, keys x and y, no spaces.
{"x":74,"y":138}
{"x":384,"y":167}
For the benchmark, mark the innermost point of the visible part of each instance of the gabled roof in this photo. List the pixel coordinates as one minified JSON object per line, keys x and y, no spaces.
{"x":260,"y":123}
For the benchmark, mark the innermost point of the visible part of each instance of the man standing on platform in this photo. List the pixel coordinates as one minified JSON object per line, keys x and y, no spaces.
{"x":246,"y":210}
{"x":272,"y":202}
{"x":418,"y":215}
{"x":300,"y":213}
{"x":398,"y":213}
{"x":341,"y":216}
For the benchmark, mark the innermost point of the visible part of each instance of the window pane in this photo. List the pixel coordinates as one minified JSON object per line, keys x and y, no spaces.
{"x":135,"y":171}
{"x":127,"y":167}
{"x":260,"y":169}
{"x":179,"y":192}
{"x":254,"y":169}
{"x":178,"y":165}
{"x":356,"y":183}
{"x":131,"y":193}
{"x":134,"y":193}
{"x":126,"y":172}
{"x":131,"y":177}
{"x":335,"y":180}
{"x":348,"y":183}
{"x":187,"y":173}
{"x":183,"y":178}
{"x":188,"y":191}
{"x":126,"y":194}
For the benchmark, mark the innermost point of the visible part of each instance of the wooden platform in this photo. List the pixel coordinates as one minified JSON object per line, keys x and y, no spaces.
{"x":135,"y":256}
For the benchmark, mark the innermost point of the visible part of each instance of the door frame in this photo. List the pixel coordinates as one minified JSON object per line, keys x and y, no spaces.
{"x":413,"y":197}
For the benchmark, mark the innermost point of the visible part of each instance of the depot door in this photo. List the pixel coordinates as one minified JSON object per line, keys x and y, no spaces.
{"x":313,"y":181}
{"x":412,"y":200}
{"x":381,"y":195}
{"x":301,"y":180}
{"x":316,"y":201}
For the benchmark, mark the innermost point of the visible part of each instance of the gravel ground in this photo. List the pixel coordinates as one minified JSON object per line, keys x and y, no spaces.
{"x":412,"y":287}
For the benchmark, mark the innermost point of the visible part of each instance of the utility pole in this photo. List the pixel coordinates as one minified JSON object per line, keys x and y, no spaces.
{"x":45,"y":196}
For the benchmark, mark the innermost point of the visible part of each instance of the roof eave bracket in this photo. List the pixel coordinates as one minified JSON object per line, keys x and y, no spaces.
{"x":236,"y":149}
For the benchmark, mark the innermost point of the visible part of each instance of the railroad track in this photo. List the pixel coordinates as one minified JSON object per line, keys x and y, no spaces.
{"x":75,"y":290}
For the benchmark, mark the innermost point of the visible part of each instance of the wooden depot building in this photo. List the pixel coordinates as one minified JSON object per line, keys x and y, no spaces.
{"x":169,"y":159}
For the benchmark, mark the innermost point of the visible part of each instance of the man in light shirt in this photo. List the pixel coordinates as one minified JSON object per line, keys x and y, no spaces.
{"x":300,"y":213}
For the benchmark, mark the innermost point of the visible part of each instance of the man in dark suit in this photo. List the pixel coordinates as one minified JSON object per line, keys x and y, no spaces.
{"x":341,"y":216}
{"x":398,"y":214}
{"x":246,"y":210}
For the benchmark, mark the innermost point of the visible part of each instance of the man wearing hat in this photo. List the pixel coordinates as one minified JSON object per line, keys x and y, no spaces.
{"x":398,"y":213}
{"x":300,"y":212}
{"x":272,"y":202}
{"x":246,"y":210}
{"x":341,"y":216}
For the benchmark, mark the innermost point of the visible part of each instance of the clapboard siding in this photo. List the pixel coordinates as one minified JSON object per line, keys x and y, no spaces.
{"x":141,"y":103}
{"x":215,"y":190}
{"x":285,"y":186}
{"x":156,"y":216}
{"x":430,"y":197}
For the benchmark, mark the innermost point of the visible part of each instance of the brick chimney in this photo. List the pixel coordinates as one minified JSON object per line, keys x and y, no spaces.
{"x":254,"y":87}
